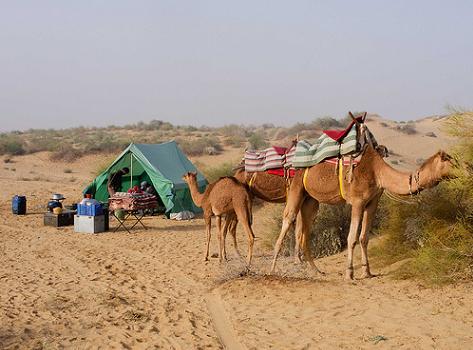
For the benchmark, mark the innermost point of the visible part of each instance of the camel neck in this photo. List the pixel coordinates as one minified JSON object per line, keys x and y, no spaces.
{"x":399,"y":182}
{"x":197,"y":197}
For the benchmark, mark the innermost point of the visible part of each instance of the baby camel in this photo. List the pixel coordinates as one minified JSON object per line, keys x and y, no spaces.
{"x":226,"y":196}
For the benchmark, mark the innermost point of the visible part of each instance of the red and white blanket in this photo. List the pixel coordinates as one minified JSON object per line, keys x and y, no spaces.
{"x":132,"y":201}
{"x":270,"y":158}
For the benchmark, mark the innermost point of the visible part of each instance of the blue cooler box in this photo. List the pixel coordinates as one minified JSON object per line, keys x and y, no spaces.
{"x":89,"y":210}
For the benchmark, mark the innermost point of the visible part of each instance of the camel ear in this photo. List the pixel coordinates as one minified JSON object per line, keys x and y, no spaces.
{"x":351,"y":115}
{"x":364,"y":117}
{"x":193,"y":173}
{"x":444,"y":156}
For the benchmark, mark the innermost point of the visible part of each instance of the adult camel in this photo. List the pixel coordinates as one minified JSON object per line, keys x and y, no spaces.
{"x":372,"y":176}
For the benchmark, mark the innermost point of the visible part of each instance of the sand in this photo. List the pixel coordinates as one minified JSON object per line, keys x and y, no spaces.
{"x":152,"y":288}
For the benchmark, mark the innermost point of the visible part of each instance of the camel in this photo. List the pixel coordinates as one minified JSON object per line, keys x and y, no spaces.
{"x":273,"y":189}
{"x":227,"y":196}
{"x":372,"y":176}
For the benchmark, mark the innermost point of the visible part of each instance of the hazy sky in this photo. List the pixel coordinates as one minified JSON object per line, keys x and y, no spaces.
{"x":71,"y":63}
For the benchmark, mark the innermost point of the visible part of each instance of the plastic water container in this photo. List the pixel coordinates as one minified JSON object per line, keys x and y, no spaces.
{"x":18,"y":205}
{"x":89,"y":207}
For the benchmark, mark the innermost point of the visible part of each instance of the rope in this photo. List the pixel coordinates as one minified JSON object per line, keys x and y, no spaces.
{"x":399,"y":199}
{"x":252,"y":179}
{"x":340,"y":177}
{"x":304,"y":179}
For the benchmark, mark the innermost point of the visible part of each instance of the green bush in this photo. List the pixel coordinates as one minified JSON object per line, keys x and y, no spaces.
{"x":436,"y":232}
{"x":326,"y":123}
{"x":257,"y":141}
{"x":214,"y":173}
{"x":200,"y":146}
{"x":234,"y":141}
{"x":11,"y":144}
{"x":328,"y":233}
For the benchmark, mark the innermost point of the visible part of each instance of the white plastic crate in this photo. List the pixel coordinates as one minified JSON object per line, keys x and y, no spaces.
{"x":89,"y":224}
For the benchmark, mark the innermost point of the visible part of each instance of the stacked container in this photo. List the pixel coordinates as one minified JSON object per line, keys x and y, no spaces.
{"x":90,"y":217}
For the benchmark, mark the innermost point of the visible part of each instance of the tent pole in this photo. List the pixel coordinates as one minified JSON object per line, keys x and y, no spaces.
{"x":131,"y":170}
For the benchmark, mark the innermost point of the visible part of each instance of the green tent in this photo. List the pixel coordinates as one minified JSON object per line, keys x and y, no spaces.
{"x":160,"y":164}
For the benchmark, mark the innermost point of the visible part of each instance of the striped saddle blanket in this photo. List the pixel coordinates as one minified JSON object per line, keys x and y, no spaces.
{"x":270,"y":158}
{"x":308,"y":154}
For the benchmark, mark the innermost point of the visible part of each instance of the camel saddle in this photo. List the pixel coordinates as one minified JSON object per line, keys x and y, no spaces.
{"x":272,"y":158}
{"x":332,"y":144}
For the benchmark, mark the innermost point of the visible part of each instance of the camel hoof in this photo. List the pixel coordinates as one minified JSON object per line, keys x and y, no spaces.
{"x":349,"y":275}
{"x":367,"y":275}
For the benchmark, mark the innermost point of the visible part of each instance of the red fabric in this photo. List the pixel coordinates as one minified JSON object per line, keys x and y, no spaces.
{"x":134,"y":189}
{"x":280,"y":150}
{"x":338,"y":135}
{"x":280,"y":172}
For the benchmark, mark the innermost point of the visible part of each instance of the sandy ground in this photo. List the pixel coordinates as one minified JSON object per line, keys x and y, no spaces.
{"x":152,"y":289}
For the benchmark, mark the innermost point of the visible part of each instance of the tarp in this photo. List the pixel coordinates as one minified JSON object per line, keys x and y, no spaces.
{"x":160,"y":164}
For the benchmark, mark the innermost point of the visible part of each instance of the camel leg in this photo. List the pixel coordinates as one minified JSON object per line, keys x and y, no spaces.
{"x":356,"y":211}
{"x":308,"y":211}
{"x":221,"y":242}
{"x":226,"y":226}
{"x":294,"y":200}
{"x":233,"y":226}
{"x":368,"y":217}
{"x":289,"y":216}
{"x":208,"y":226}
{"x":244,"y":216}
{"x":298,"y":240}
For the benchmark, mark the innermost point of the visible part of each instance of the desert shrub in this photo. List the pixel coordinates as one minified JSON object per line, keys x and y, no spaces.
{"x":384,"y":124}
{"x":328,"y":233}
{"x":11,"y":144}
{"x":234,"y":140}
{"x":256,"y":141}
{"x":326,"y":123}
{"x":298,"y":128}
{"x":430,"y":134}
{"x":214,"y":173}
{"x":66,"y":153}
{"x":200,"y":145}
{"x":408,"y":129}
{"x":435,"y":232}
{"x":280,"y":133}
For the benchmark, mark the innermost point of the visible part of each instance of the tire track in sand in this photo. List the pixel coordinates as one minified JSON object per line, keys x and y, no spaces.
{"x":222,"y":323}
